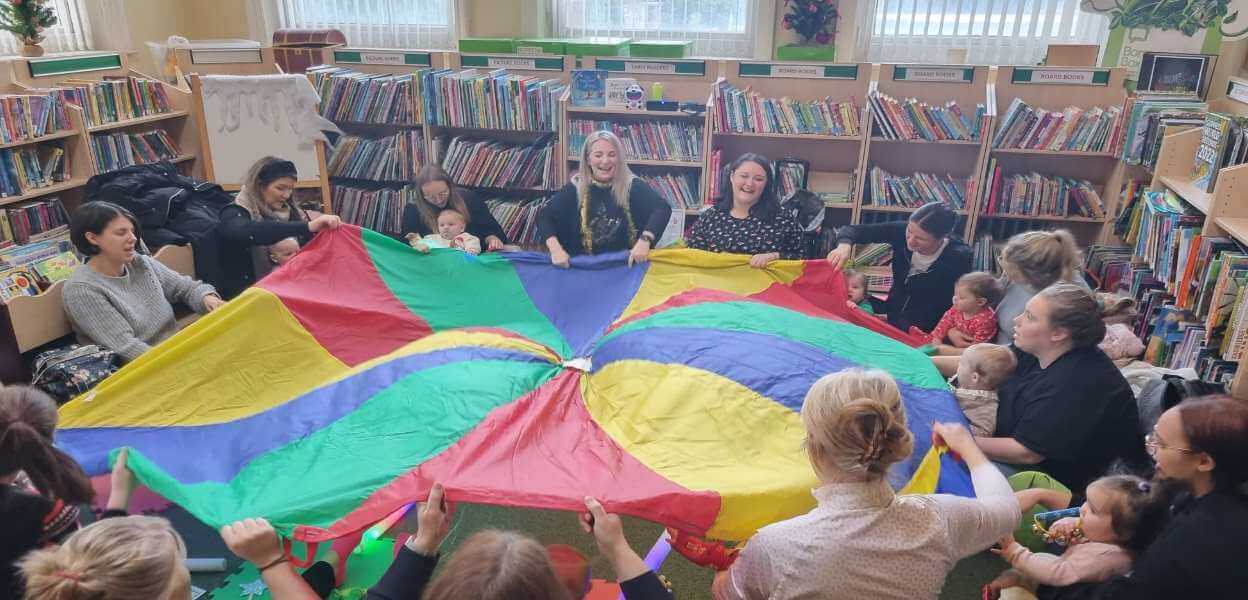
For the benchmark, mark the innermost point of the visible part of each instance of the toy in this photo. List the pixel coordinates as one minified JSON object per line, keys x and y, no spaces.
{"x":1045,"y":520}
{"x":635,"y":97}
{"x":701,"y":552}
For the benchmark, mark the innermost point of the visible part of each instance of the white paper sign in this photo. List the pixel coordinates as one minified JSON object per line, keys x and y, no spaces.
{"x":806,"y":71}
{"x":675,"y":229}
{"x":934,"y":74}
{"x":1063,"y":76}
{"x":529,"y":50}
{"x":1239,"y":92}
{"x":381,"y":58}
{"x":511,"y":63}
{"x":649,"y":67}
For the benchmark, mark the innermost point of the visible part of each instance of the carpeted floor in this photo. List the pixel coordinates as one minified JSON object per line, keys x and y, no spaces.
{"x":690,"y":582}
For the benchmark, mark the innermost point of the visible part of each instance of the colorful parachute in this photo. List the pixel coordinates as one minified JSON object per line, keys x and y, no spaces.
{"x":351,"y":379}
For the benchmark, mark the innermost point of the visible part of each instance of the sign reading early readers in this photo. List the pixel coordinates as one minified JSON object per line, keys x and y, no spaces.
{"x":652,"y":67}
{"x":1061,"y":76}
{"x":750,"y":69}
{"x":382,"y":57}
{"x":939,"y":74}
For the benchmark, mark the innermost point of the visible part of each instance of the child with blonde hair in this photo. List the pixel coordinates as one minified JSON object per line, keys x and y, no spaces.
{"x":452,"y":233}
{"x":981,"y":370}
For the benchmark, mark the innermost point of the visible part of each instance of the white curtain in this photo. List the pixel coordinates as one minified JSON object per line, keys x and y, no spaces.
{"x":1003,"y":32}
{"x":717,"y":28}
{"x":408,"y":24}
{"x":72,"y":31}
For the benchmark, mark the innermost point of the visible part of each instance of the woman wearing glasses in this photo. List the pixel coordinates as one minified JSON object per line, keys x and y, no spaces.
{"x":438,"y":191}
{"x":1067,"y":411}
{"x":1201,"y":447}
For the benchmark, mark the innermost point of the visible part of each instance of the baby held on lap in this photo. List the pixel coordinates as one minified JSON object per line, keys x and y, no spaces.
{"x":982,"y":368}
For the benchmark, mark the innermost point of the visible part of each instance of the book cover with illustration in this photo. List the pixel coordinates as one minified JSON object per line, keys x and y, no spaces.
{"x":589,"y":88}
{"x":1213,"y":138}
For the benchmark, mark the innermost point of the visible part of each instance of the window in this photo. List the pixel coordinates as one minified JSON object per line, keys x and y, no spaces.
{"x":720,"y":28}
{"x":1004,"y":32}
{"x":70,"y":33}
{"x":373,"y":23}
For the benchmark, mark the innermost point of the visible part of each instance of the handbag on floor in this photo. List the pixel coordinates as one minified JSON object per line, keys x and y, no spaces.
{"x":72,"y":370}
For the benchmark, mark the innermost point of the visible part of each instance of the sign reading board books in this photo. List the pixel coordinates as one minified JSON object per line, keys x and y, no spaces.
{"x":1212,"y":146}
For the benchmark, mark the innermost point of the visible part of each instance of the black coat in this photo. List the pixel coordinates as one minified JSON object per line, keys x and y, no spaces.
{"x":239,"y":233}
{"x":922,"y":299}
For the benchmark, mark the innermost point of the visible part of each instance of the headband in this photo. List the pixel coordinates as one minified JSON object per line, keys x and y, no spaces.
{"x":277,"y":170}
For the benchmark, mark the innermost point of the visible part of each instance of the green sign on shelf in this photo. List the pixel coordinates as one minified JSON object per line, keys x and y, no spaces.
{"x":938,"y":74}
{"x":753,"y":69}
{"x":383,"y":57}
{"x":505,"y":61}
{"x":695,"y":68}
{"x":44,"y":67}
{"x":1061,"y":76}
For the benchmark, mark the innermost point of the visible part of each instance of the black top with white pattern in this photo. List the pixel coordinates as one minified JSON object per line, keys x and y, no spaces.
{"x":718,"y":231}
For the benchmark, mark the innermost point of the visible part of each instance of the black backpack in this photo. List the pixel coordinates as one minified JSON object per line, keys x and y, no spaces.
{"x":1179,"y":389}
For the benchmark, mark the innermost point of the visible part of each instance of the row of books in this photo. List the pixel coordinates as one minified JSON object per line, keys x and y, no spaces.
{"x":1033,"y":195}
{"x":116,"y":99}
{"x":910,"y":119}
{"x":1158,"y":125}
{"x":1130,"y":210}
{"x":790,"y":177}
{"x":117,"y":150}
{"x":518,"y":218}
{"x":394,"y":158}
{"x":493,"y":100}
{"x":1071,"y":130}
{"x":913,"y":191}
{"x":23,"y":169}
{"x":1166,"y":221}
{"x":379,"y":209}
{"x":647,"y":140}
{"x":19,"y":225}
{"x":1138,"y":112}
{"x":27,"y":270}
{"x":679,"y":188}
{"x":353,"y":97}
{"x":1223,"y":143}
{"x":30,"y":116}
{"x":485,"y":163}
{"x":746,"y":111}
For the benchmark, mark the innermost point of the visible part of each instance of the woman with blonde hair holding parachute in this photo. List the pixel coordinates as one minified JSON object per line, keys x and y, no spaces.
{"x":605,"y":208}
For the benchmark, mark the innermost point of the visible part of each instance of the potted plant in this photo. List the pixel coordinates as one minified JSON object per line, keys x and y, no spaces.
{"x":26,"y":19}
{"x":815,"y":22}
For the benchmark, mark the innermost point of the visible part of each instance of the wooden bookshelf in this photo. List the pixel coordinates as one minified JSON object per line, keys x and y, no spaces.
{"x":1054,"y":89}
{"x":177,"y":114}
{"x":56,"y":135}
{"x":835,"y":160}
{"x":969,"y":86}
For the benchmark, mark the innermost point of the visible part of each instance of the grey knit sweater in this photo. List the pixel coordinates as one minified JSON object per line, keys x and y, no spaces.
{"x":133,"y":312}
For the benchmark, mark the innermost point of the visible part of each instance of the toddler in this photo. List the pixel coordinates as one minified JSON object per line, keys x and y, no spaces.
{"x":1121,"y":516}
{"x":281,"y":252}
{"x":451,"y":234}
{"x":971,"y":319}
{"x":856,"y":282}
{"x":982,"y":368}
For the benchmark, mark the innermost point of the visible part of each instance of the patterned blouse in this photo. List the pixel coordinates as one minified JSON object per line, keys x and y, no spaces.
{"x":719,"y":231}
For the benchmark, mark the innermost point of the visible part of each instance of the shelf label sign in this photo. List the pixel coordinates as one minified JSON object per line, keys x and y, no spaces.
{"x":750,"y":69}
{"x":529,"y":50}
{"x":1061,"y":76}
{"x":652,"y":67}
{"x":940,"y":74}
{"x":382,"y":57}
{"x":497,"y":61}
{"x":1238,"y":91}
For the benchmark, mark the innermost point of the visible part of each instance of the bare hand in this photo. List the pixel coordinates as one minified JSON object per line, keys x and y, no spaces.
{"x":253,"y":540}
{"x":560,"y":258}
{"x":434,"y":522}
{"x":607,"y":529}
{"x":324,"y":222}
{"x":213,"y":302}
{"x":759,"y":261}
{"x":421,"y":247}
{"x":493,"y":244}
{"x":640,"y":252}
{"x":851,"y":304}
{"x":839,"y":255}
{"x":1006,"y":580}
{"x":121,"y":482}
{"x":955,"y":437}
{"x":959,"y":339}
{"x":1066,"y":530}
{"x":1003,"y":546}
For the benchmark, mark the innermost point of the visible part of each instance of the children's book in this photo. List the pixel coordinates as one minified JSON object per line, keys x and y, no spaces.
{"x":1213,"y":140}
{"x":589,"y":88}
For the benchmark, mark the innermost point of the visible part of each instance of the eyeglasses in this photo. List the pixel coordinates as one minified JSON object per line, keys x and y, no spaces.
{"x":1154,"y":443}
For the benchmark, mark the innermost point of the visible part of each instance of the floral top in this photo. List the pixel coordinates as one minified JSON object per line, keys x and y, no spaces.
{"x":719,"y":231}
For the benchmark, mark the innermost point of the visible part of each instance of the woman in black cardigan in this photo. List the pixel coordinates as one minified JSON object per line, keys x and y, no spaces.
{"x":604,"y":209}
{"x":262,"y":215}
{"x":438,"y":191}
{"x":926,"y":263}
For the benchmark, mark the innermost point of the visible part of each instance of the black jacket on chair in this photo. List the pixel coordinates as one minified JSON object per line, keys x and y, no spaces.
{"x":918,"y":300}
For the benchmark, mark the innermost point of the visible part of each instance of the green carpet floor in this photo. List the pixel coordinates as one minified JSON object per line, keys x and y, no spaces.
{"x":690,"y":582}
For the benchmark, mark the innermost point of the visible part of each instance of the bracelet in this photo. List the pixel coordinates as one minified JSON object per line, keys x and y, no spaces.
{"x":280,"y":560}
{"x":649,"y":237}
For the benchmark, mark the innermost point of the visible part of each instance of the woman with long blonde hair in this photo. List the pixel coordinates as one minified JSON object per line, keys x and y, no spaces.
{"x":605,"y":208}
{"x":262,"y":215}
{"x":437,"y":192}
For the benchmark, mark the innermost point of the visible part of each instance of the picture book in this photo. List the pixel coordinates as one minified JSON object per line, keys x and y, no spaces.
{"x":589,"y":88}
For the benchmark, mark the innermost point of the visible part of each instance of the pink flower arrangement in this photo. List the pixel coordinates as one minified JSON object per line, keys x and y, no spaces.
{"x":813,"y":20}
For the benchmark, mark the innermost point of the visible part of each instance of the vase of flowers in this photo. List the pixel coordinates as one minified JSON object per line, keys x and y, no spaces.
{"x":814,"y":21}
{"x":26,"y":20}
